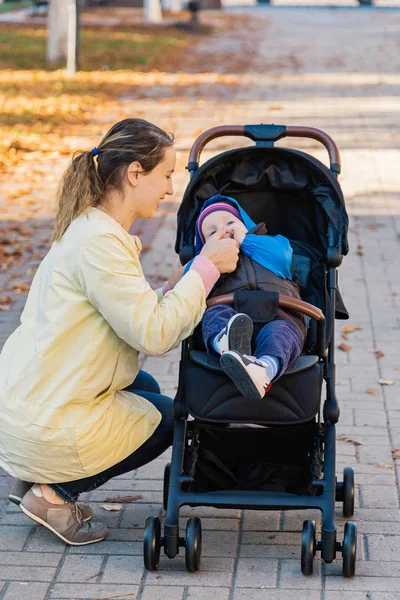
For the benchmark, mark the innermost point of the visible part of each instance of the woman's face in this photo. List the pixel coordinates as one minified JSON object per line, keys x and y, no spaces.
{"x":150,"y":188}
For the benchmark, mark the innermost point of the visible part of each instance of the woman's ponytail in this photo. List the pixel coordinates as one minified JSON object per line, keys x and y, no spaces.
{"x":79,"y":190}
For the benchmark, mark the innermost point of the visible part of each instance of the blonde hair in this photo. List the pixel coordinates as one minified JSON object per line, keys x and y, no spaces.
{"x":91,"y":174}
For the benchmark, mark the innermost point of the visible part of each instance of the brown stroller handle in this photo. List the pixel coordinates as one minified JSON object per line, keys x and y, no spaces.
{"x":284,"y":302}
{"x":271,"y":133}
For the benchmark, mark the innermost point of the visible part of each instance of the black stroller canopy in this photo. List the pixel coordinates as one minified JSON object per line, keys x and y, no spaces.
{"x":293,"y":193}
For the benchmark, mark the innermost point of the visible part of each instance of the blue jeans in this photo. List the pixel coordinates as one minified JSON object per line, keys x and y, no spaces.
{"x":146,"y":386}
{"x":278,"y":338}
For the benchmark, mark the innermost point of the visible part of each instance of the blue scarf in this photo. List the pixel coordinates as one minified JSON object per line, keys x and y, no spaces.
{"x":272,"y":252}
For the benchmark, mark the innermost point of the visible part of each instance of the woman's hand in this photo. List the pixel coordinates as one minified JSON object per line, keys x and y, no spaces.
{"x":176,"y":274}
{"x":223,"y":252}
{"x":238,"y":231}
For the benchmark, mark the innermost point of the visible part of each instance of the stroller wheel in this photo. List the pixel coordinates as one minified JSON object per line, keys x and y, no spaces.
{"x":308,"y":547}
{"x":349,"y":549}
{"x":348,"y":492}
{"x":167,"y":472}
{"x":152,"y":543}
{"x":193,"y":544}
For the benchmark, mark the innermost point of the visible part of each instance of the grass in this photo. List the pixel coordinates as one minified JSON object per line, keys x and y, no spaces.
{"x":9,"y":6}
{"x":41,"y":104}
{"x":135,"y":48}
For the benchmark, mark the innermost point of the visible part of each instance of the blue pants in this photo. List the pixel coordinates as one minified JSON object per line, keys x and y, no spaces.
{"x":278,"y":338}
{"x":146,"y":386}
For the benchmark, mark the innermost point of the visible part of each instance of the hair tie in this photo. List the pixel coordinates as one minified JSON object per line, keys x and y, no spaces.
{"x":95,"y":151}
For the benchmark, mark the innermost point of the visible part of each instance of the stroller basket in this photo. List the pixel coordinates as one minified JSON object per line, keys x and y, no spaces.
{"x":278,"y":453}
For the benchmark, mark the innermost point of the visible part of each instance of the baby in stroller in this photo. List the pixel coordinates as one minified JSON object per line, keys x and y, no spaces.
{"x":264,"y":264}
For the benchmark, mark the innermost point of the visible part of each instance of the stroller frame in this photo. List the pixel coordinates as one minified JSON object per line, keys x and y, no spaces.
{"x":328,"y":490}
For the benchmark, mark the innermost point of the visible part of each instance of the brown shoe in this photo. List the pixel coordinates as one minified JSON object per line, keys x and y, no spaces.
{"x":20,"y":488}
{"x":65,"y":520}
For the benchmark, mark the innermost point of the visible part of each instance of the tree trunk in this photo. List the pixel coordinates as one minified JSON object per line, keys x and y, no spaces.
{"x":57,"y":33}
{"x":152,"y":11}
{"x":173,"y":5}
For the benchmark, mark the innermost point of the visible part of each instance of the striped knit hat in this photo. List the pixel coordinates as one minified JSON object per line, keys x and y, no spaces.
{"x":212,"y":208}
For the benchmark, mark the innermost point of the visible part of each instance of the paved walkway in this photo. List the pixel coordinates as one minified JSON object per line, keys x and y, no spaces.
{"x":337,"y":70}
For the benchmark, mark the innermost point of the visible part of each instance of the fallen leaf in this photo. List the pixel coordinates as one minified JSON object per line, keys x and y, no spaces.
{"x":383,"y":465}
{"x":374,"y":226}
{"x":348,"y":440}
{"x":379,"y":354}
{"x":372,"y":391}
{"x":124,"y":499}
{"x":344,"y":347}
{"x":359,"y":250}
{"x":21,"y":287}
{"x":5,"y":307}
{"x":112,"y":506}
{"x":344,"y":336}
{"x":6,"y":300}
{"x":386,"y":381}
{"x":350,"y":329}
{"x":397,"y":368}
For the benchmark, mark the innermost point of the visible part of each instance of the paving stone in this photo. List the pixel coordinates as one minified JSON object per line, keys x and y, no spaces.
{"x":366,"y":568}
{"x":384,"y":547}
{"x":378,"y":496}
{"x":281,"y":538}
{"x":269,"y":551}
{"x":214,"y":524}
{"x":118,"y":534}
{"x":80,"y":569}
{"x":329,"y":595}
{"x":209,"y":511}
{"x":135,"y":515}
{"x":44,"y":540}
{"x":123,"y":569}
{"x":257,"y":520}
{"x":29,"y":559}
{"x":256,"y":572}
{"x":182,"y":578}
{"x":291,"y":576}
{"x":152,"y":592}
{"x":378,"y":514}
{"x":26,"y":591}
{"x":293,"y":519}
{"x":274,"y":594}
{"x":93,"y":591}
{"x":368,"y":584}
{"x":110,"y":547}
{"x":17,"y":573}
{"x":177,"y":564}
{"x":132,"y":486}
{"x":147,"y":497}
{"x":13,"y":538}
{"x":220,"y":543}
{"x":198,"y":593}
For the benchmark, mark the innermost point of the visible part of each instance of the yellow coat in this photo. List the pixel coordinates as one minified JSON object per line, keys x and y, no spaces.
{"x":88,"y":314}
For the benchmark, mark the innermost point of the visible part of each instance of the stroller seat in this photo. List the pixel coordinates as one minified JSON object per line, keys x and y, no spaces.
{"x":213,"y":397}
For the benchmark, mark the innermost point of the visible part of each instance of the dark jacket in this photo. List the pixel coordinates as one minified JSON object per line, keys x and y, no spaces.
{"x":250,"y":275}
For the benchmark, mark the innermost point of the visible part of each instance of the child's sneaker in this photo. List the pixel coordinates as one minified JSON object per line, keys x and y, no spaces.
{"x":247,"y":373}
{"x":236,"y":335}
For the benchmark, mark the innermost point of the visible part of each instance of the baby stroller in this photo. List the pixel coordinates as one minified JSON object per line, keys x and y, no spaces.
{"x":278,"y":453}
